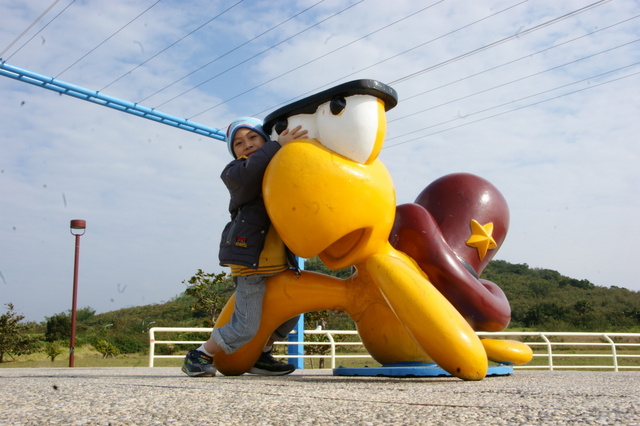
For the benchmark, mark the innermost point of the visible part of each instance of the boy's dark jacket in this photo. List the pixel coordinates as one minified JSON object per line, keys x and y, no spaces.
{"x":244,"y":236}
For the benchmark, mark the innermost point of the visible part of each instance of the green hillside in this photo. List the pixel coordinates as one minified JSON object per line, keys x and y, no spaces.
{"x":541,"y":300}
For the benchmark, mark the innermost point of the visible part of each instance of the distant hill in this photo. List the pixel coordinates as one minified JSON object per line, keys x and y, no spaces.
{"x":541,"y":299}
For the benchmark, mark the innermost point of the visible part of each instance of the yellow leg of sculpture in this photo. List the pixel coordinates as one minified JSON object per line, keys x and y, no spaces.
{"x":380,"y":331}
{"x":428,"y":317}
{"x":510,"y":351}
{"x":287,"y":295}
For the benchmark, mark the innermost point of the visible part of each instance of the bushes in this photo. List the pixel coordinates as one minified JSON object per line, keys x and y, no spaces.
{"x":543,"y":299}
{"x":106,"y":349}
{"x":127,"y":344}
{"x":53,"y":349}
{"x":58,"y":327}
{"x":14,"y":340}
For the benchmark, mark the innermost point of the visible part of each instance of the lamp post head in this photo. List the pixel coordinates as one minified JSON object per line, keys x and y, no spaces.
{"x":78,"y":226}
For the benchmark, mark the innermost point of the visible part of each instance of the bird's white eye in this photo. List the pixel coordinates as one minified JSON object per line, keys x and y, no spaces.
{"x":307,"y":121}
{"x":351,"y":126}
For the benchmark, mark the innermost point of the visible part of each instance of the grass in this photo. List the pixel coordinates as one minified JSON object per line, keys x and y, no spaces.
{"x":87,"y":356}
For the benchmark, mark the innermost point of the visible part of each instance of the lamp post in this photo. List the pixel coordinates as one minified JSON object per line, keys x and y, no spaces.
{"x":78,"y":227}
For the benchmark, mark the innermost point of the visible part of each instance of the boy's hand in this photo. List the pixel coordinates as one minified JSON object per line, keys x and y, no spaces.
{"x":290,"y":135}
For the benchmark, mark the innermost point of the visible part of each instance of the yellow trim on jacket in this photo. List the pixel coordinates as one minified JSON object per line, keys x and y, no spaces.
{"x":273,"y":258}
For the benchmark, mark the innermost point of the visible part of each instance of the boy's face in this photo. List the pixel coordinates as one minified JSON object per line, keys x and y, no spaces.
{"x":246,"y":142}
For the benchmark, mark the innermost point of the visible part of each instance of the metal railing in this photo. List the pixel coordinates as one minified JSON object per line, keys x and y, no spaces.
{"x":556,"y":348}
{"x":551,"y":350}
{"x":333,"y":355}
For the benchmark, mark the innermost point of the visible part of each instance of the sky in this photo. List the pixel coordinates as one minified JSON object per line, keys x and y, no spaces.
{"x":541,"y":98}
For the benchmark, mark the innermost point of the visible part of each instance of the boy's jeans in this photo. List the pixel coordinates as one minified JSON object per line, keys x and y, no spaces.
{"x":245,"y":320}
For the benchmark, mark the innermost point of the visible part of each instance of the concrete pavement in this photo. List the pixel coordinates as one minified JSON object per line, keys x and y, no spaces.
{"x":164,"y":395}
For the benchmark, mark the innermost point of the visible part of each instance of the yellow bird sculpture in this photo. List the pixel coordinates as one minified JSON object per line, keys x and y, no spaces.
{"x":330,"y":196}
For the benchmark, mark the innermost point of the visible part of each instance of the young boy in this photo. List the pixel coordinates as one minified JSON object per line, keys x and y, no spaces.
{"x":250,"y":246}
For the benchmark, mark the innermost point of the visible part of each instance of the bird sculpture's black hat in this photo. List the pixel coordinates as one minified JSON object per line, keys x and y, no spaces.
{"x":310,"y":104}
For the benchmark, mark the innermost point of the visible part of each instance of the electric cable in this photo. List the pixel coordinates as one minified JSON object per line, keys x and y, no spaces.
{"x":520,"y":58}
{"x":42,"y":29}
{"x":107,"y":39}
{"x":320,"y":57}
{"x":499,"y":42}
{"x":28,"y":28}
{"x":400,"y":80}
{"x":171,"y":45}
{"x":459,"y":57}
{"x":515,"y":109}
{"x":230,"y":51}
{"x":514,"y":81}
{"x":255,"y":56}
{"x":384,"y":60}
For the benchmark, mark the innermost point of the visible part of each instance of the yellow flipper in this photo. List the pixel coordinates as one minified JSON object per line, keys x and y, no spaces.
{"x":429,"y":318}
{"x":510,"y":351}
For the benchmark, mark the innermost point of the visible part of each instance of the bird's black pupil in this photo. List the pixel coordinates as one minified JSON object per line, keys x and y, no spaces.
{"x":281,"y":125}
{"x":338,"y":104}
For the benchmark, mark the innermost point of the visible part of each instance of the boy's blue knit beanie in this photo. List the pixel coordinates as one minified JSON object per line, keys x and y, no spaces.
{"x":244,"y":122}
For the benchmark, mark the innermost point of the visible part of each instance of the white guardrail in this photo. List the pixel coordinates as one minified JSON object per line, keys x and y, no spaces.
{"x":551,"y":350}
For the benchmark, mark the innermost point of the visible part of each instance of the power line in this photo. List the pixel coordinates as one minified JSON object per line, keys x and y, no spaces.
{"x":107,"y":39}
{"x":29,"y":27}
{"x":252,"y":57}
{"x":227,"y":53}
{"x":459,"y":57}
{"x":515,"y":109}
{"x":408,"y":76}
{"x":520,"y":58}
{"x":320,"y":57}
{"x":389,"y":58}
{"x":172,"y":44}
{"x":514,"y":81}
{"x":499,"y":42}
{"x":432,"y":40}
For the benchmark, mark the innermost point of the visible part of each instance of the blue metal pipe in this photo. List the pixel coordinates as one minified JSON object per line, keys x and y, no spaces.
{"x":108,"y":101}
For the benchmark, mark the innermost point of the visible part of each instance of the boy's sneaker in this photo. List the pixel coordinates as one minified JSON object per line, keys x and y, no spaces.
{"x":269,"y":366}
{"x":198,"y":364}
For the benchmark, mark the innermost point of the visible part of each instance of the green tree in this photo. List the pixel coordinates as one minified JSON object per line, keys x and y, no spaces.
{"x":53,"y":349}
{"x":130,"y":343}
{"x":106,"y":349}
{"x":211,"y":291}
{"x":85,"y":314}
{"x":13,"y":337}
{"x":315,"y":264}
{"x":58,"y":327}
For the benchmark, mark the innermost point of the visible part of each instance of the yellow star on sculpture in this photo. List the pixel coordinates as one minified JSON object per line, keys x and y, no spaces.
{"x":481,"y":238}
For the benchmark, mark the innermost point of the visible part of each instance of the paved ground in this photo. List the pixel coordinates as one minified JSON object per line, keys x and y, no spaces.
{"x":124,"y":396}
